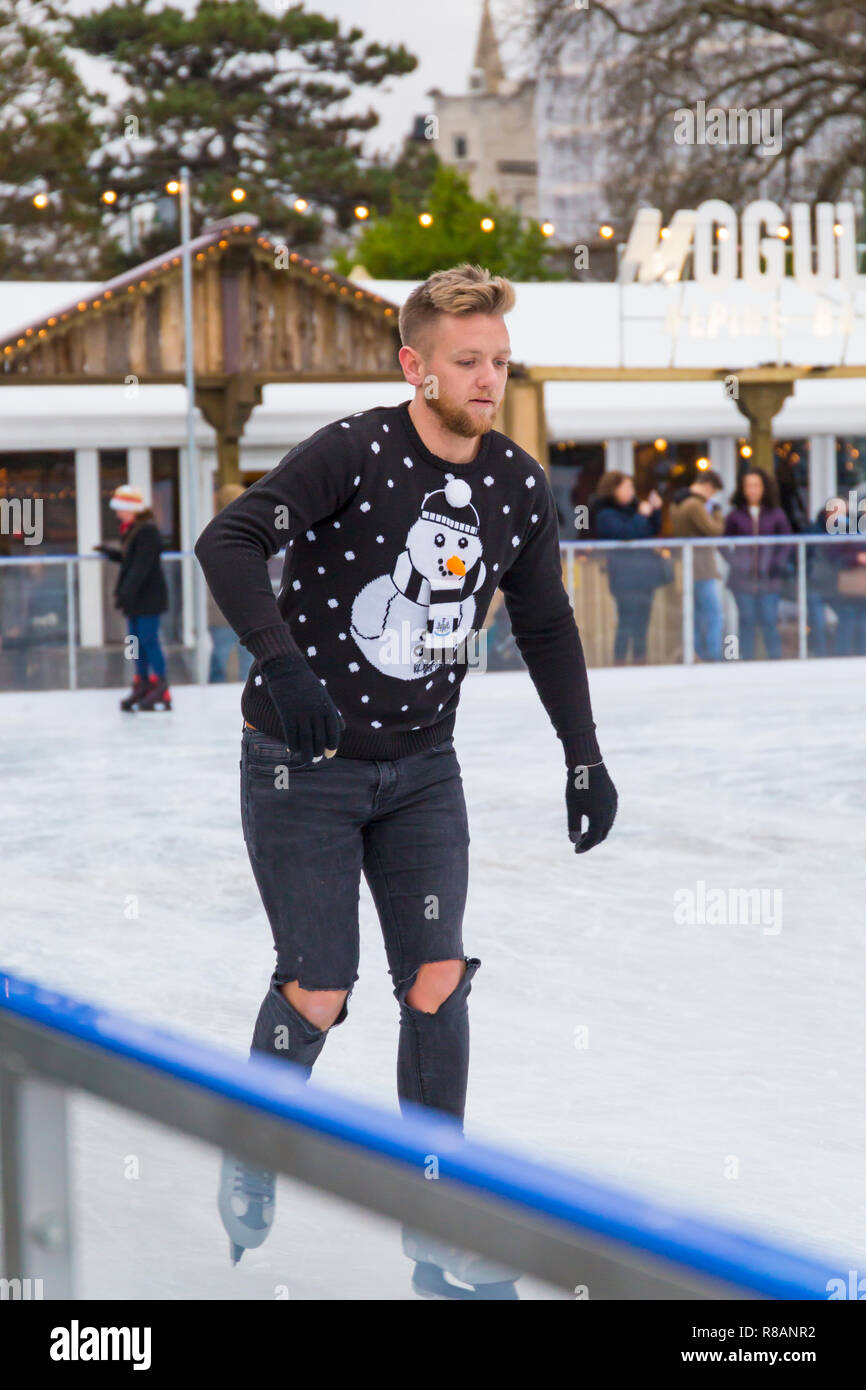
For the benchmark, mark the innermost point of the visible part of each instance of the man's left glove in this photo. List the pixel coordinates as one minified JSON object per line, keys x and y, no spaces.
{"x":589,"y":792}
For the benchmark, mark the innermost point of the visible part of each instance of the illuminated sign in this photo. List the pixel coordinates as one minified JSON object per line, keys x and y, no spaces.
{"x":724,"y":250}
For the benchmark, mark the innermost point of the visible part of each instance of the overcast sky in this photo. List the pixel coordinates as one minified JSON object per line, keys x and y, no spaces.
{"x":441,"y":34}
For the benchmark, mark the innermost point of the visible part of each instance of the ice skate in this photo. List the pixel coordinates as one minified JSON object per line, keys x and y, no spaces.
{"x":445,"y":1271}
{"x":139,"y":687}
{"x":158,"y":695}
{"x":430,"y":1281}
{"x":246,"y":1204}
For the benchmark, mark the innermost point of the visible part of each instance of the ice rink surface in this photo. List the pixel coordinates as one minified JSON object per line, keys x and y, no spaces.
{"x":720,"y":1067}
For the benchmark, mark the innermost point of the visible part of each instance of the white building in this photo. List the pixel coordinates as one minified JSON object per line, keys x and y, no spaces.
{"x":73,"y":445}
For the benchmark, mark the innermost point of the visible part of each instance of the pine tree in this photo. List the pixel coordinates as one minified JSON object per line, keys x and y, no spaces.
{"x":245,"y":96}
{"x":397,"y":246}
{"x":47,"y":137}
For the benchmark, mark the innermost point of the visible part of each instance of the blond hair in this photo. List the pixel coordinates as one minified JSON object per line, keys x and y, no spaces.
{"x":464,"y":289}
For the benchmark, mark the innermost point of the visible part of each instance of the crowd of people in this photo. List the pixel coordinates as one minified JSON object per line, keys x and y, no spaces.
{"x":757,"y":576}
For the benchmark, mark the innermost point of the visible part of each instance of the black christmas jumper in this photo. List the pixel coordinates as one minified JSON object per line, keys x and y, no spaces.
{"x":392,"y":558}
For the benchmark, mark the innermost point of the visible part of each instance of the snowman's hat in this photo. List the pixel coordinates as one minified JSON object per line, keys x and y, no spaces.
{"x":452,"y":506}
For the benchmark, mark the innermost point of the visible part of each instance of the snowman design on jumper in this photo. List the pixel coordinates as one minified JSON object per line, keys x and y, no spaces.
{"x":425,"y":605}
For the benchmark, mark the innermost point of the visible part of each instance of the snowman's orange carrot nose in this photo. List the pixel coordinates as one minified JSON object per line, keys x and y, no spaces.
{"x":455,"y":565}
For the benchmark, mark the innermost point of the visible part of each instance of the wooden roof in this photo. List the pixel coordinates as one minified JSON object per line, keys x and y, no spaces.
{"x":259,"y":309}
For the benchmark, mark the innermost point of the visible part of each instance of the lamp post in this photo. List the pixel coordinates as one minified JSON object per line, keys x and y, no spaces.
{"x":198,"y":593}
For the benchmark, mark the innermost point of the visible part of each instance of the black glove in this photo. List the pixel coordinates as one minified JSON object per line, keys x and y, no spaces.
{"x":311,"y":721}
{"x":589,"y":792}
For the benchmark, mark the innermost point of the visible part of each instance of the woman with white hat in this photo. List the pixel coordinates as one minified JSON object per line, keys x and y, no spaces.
{"x":142,"y":595}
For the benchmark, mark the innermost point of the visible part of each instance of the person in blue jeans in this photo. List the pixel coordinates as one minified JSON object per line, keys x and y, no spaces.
{"x":756,"y":572}
{"x":141,"y":594}
{"x":224,"y":640}
{"x":694,"y":512}
{"x":633,"y":574}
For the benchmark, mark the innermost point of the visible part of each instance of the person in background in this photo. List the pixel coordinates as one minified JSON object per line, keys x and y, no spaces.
{"x":791,"y":498}
{"x":822,"y":574}
{"x":839,"y":572}
{"x":141,"y":594}
{"x":633,"y":577}
{"x":756,"y":572}
{"x":695,"y":512}
{"x":222,"y":636}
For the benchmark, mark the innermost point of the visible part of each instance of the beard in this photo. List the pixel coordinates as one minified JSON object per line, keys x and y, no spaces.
{"x":459,"y":421}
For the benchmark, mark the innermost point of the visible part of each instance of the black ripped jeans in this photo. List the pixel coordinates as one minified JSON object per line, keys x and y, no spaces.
{"x":310,"y":833}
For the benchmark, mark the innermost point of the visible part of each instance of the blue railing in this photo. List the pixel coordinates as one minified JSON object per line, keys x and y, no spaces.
{"x":539,"y":1194}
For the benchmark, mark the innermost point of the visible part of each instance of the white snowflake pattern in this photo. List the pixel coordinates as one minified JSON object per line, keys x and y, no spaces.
{"x":515,"y":540}
{"x":357,"y":413}
{"x":390,"y":482}
{"x":495,"y":567}
{"x":332,"y":603}
{"x":451,"y":676}
{"x":408,"y":462}
{"x":380,"y":539}
{"x":336,"y":525}
{"x":257,"y":681}
{"x":322,"y":680}
{"x":345,"y":424}
{"x":291,"y":542}
{"x":311,"y":651}
{"x":342,"y":636}
{"x":534,"y":516}
{"x":375,"y":446}
{"x":296,"y":583}
{"x":488,"y":481}
{"x":349,"y":554}
{"x":357,"y":479}
{"x":302,"y":617}
{"x":353,"y":666}
{"x":376,"y":723}
{"x":404,"y":707}
{"x":365,"y":699}
{"x":438,"y":707}
{"x":428,"y":685}
{"x":311,"y":535}
{"x":365,"y":506}
{"x":385,"y":428}
{"x":509,"y":453}
{"x":530,"y":481}
{"x":506,"y":509}
{"x":321,"y":569}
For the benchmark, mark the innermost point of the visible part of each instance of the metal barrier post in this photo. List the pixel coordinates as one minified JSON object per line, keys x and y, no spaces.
{"x":37,"y":1236}
{"x":688,"y":606}
{"x":70,"y":624}
{"x":802,"y":626}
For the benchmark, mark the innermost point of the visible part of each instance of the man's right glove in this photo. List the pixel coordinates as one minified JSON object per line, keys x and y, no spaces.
{"x":310,"y":720}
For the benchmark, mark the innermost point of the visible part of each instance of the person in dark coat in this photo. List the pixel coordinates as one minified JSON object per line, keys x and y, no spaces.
{"x":634,"y":575}
{"x":822,"y":574}
{"x":830,"y":570}
{"x":756,"y":572}
{"x":141,"y":594}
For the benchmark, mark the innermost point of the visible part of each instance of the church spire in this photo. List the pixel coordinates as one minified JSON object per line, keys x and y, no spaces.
{"x":487,"y":56}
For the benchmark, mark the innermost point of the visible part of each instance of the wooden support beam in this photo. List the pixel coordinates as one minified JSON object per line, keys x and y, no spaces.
{"x":760,"y":402}
{"x":521,"y":416}
{"x":227,"y":408}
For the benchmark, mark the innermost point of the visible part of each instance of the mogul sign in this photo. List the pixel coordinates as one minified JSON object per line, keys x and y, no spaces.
{"x":754,"y":251}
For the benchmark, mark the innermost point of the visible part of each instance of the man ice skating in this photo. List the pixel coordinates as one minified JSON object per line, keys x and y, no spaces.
{"x":399,"y":525}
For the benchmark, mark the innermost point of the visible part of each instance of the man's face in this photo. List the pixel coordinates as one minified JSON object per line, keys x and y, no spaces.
{"x":467,"y":356}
